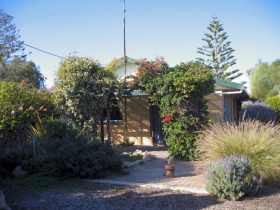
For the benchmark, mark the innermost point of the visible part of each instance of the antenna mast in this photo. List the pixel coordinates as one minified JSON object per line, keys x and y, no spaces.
{"x":125,"y":72}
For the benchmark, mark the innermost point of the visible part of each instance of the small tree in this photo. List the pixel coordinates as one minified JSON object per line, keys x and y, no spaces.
{"x":81,"y":89}
{"x":19,"y":70}
{"x":265,"y":80}
{"x":217,"y":53}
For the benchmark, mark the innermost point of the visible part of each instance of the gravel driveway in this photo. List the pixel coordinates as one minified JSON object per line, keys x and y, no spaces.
{"x":82,"y":195}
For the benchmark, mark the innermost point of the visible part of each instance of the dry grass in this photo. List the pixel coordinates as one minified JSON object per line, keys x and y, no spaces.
{"x":259,"y":142}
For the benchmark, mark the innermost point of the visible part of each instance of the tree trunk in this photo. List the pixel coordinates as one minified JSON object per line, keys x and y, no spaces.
{"x":102,"y":130}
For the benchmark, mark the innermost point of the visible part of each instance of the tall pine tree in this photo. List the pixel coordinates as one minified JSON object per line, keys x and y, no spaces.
{"x":10,"y":43}
{"x":217,"y":53}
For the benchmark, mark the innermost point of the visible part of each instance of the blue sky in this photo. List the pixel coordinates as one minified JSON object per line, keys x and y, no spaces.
{"x":169,"y":28}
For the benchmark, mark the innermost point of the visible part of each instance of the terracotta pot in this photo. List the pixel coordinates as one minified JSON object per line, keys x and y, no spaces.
{"x":169,"y":170}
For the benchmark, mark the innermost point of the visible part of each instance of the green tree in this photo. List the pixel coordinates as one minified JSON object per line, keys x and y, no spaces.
{"x":274,"y":103}
{"x":265,"y":80}
{"x":82,"y":88}
{"x":217,"y":53}
{"x":10,"y":43}
{"x":19,"y":70}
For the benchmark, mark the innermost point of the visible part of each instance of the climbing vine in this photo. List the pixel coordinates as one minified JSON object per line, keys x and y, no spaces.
{"x":180,"y":93}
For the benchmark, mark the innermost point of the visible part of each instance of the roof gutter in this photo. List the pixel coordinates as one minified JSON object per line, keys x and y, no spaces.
{"x":229,"y":93}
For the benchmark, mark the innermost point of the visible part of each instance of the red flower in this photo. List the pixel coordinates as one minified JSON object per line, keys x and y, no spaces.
{"x":167,"y":118}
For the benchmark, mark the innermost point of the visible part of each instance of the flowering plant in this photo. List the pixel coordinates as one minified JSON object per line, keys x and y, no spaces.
{"x":167,"y":118}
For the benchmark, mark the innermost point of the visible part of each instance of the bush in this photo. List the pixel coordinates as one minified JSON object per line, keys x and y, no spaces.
{"x":86,"y":160}
{"x":258,"y":141}
{"x":49,"y":129}
{"x":21,"y":107}
{"x":274,"y":103}
{"x":62,"y":152}
{"x":229,"y":178}
{"x":180,"y":143}
{"x":76,"y":159}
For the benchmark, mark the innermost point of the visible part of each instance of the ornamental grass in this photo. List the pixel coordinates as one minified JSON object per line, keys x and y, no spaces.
{"x":259,"y":142}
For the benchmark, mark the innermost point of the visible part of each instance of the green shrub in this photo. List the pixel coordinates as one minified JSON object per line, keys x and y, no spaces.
{"x":274,"y":103}
{"x":181,"y":144}
{"x":258,"y":141}
{"x":21,"y":107}
{"x":229,"y":178}
{"x":62,"y":152}
{"x":85,"y":160}
{"x":15,"y":155}
{"x":77,"y":158}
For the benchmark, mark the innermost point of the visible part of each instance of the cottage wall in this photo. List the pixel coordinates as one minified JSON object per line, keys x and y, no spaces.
{"x":220,"y":108}
{"x":215,"y":107}
{"x":138,"y":122}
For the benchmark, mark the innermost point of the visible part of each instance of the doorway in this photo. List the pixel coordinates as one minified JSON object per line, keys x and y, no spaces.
{"x":156,"y":125}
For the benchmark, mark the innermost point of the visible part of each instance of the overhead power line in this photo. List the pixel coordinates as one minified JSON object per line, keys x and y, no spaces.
{"x":43,"y":51}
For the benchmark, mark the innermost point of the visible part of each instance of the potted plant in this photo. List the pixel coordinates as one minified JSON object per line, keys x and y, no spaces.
{"x":169,"y":168}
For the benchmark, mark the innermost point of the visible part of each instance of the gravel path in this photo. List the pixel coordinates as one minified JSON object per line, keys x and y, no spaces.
{"x":82,"y":195}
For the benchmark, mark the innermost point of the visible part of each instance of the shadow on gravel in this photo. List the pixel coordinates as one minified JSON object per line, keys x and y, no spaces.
{"x":158,"y":201}
{"x":268,"y":190}
{"x":83,"y":196}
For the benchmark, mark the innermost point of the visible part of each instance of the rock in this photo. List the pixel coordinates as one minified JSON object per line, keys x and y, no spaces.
{"x":3,"y":204}
{"x":19,"y":172}
{"x":138,"y":151}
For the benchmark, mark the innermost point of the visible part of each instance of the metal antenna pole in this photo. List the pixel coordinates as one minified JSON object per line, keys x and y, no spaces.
{"x":125,"y":72}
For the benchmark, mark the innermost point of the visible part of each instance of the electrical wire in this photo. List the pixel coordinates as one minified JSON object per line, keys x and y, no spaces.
{"x":43,"y":51}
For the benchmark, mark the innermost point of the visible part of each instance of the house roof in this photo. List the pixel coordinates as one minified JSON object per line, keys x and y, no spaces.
{"x":136,"y":93}
{"x":219,"y":85}
{"x":226,"y":84}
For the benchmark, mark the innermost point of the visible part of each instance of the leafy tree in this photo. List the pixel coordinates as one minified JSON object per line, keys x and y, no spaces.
{"x":21,"y":107}
{"x":19,"y":70}
{"x":10,"y":43}
{"x":217,"y":53}
{"x":81,"y":89}
{"x":265,"y":80}
{"x":147,"y":71}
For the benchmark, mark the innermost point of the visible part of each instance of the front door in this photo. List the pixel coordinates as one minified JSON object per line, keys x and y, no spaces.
{"x":155,"y":125}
